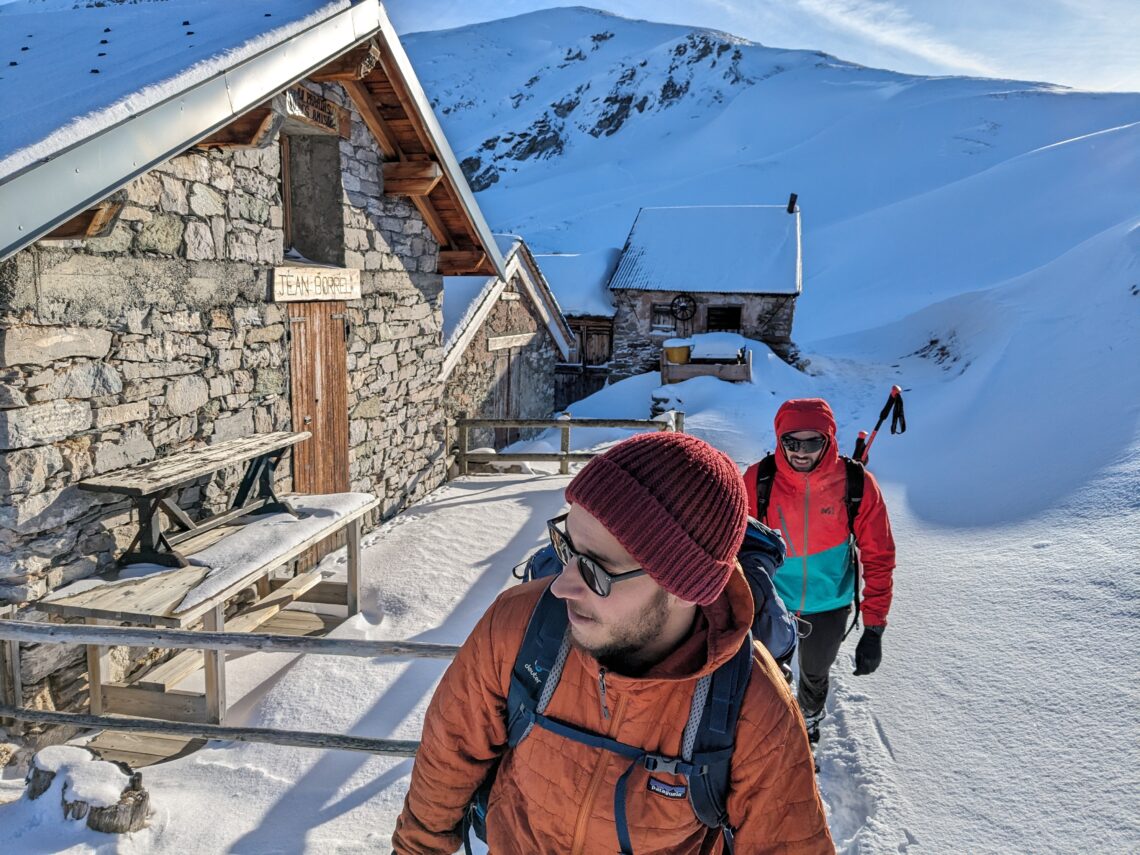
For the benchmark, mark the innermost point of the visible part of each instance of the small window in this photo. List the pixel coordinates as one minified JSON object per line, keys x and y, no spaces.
{"x":723,"y":319}
{"x":663,"y":320}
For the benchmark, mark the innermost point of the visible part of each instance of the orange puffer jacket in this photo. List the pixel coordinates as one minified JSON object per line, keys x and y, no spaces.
{"x":553,"y":795}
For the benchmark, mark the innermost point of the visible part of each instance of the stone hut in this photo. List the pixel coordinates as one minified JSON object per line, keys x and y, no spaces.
{"x":685,"y":270}
{"x":503,"y":338}
{"x":247,"y":240}
{"x":579,"y":281}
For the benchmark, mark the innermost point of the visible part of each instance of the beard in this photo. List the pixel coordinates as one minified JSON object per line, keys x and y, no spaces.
{"x":623,"y":651}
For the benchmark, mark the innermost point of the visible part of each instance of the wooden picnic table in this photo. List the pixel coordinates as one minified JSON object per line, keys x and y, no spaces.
{"x":151,"y":485}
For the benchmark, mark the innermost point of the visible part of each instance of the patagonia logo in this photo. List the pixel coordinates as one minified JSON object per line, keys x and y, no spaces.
{"x":536,"y":671}
{"x":669,"y":791}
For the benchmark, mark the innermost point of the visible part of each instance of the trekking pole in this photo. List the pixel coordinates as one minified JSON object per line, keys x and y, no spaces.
{"x":894,"y":409}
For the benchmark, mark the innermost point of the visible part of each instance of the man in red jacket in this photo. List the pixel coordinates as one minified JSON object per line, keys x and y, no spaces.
{"x":817,"y":581}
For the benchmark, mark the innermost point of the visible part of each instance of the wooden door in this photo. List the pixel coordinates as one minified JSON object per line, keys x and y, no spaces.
{"x":319,"y":388}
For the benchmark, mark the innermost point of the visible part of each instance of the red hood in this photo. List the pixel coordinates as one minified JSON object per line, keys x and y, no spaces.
{"x":807,"y":414}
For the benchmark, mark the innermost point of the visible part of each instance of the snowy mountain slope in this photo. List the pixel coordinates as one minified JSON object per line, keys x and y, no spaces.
{"x":913,"y":188}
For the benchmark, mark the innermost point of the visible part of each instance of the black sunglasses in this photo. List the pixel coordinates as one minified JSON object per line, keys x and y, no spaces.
{"x":811,"y":446}
{"x":593,"y":574}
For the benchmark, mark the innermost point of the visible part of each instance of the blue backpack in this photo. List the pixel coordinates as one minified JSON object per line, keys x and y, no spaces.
{"x":711,"y":728}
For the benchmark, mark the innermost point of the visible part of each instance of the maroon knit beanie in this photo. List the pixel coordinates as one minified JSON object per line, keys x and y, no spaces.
{"x":675,"y":503}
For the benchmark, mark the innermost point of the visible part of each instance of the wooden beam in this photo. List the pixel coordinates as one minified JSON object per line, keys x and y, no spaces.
{"x":354,"y":65}
{"x":95,"y":222}
{"x":372,"y":119}
{"x":440,"y":232}
{"x":392,"y":72}
{"x":461,"y":262}
{"x":411,"y":177}
{"x":296,"y":738}
{"x":35,"y":632}
{"x":251,"y":129}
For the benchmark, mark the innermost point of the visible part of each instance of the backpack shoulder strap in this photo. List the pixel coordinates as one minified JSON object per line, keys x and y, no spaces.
{"x":765,"y":472}
{"x":538,"y":666}
{"x":854,"y":495}
{"x":710,"y":735}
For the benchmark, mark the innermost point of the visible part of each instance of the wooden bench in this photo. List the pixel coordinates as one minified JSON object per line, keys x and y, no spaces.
{"x":263,"y":532}
{"x":150,"y":487}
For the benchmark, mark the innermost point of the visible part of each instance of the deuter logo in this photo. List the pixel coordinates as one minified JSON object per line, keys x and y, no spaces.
{"x":535,"y":671}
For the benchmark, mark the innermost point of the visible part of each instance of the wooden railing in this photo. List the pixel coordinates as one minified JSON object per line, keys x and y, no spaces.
{"x":671,"y":420}
{"x":12,"y":632}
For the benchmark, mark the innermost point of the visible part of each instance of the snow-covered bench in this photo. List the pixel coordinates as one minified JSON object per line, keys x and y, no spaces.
{"x":153,"y":595}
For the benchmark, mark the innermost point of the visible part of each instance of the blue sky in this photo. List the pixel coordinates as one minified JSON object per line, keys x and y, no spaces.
{"x":1089,"y":44}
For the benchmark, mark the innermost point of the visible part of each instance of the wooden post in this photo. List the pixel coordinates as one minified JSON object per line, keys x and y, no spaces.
{"x":463,"y":439}
{"x":97,"y":659}
{"x":564,"y":463}
{"x":352,"y":589}
{"x":11,"y":685}
{"x":679,"y":421}
{"x":215,"y":663}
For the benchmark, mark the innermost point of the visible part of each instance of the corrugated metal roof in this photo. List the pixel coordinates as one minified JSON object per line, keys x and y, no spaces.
{"x":733,"y":249}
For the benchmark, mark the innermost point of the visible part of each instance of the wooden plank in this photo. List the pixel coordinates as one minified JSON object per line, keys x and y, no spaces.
{"x":460,"y":262}
{"x":176,"y":469}
{"x":290,"y":622}
{"x":97,"y":664}
{"x":545,"y":457}
{"x":142,"y":749}
{"x":325,"y":593}
{"x":505,"y":342}
{"x":440,"y":232}
{"x":246,"y":131}
{"x":352,"y":592}
{"x":69,"y":633}
{"x":630,"y":424}
{"x":215,"y":664}
{"x":141,"y":703}
{"x":296,"y":738}
{"x":410,"y":177}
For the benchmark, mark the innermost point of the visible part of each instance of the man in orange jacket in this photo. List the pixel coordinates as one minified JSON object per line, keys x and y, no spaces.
{"x":655,"y":601}
{"x":818,"y":579}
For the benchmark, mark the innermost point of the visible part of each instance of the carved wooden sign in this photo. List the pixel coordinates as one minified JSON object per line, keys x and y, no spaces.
{"x":307,"y":112}
{"x":305,"y":284}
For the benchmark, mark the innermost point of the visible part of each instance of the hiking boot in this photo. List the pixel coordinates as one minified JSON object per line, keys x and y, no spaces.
{"x":811,"y":722}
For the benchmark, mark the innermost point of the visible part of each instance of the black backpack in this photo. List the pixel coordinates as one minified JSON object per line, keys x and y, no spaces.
{"x":852,"y":498}
{"x":711,"y":727}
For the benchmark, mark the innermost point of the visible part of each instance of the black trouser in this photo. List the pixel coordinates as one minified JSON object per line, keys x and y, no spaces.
{"x":818,"y":650}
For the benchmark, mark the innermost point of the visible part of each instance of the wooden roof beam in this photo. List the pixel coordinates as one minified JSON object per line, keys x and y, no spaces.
{"x":95,"y":222}
{"x":411,"y":177}
{"x":464,"y":262}
{"x":354,"y":65}
{"x":372,"y":119}
{"x":252,"y":129}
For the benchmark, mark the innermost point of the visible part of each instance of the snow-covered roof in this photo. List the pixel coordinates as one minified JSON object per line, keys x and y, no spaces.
{"x":731,"y":249}
{"x":579,"y":280}
{"x":468,"y":300}
{"x":102,"y":93}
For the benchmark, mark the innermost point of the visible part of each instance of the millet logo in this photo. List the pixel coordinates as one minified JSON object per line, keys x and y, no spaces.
{"x":536,"y":671}
{"x":828,"y":511}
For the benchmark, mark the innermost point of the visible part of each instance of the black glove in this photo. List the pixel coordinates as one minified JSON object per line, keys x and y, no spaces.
{"x":869,"y":650}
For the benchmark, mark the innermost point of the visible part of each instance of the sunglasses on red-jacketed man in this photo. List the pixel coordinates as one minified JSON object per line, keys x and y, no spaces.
{"x":811,"y":446}
{"x":593,"y":574}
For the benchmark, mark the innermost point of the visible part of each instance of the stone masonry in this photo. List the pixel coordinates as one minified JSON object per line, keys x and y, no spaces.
{"x":637,"y":344}
{"x":162,"y":336}
{"x":475,"y":385}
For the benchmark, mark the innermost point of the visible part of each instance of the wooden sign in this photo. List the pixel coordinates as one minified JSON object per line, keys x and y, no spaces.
{"x":307,"y":112}
{"x":307,"y":284}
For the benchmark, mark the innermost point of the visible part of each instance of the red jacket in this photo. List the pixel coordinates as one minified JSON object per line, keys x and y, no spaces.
{"x":809,"y":509}
{"x":555,"y":796}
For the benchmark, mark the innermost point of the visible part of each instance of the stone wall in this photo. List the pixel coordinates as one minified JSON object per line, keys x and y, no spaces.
{"x":474,"y":384}
{"x":637,"y":344}
{"x":161,"y":336}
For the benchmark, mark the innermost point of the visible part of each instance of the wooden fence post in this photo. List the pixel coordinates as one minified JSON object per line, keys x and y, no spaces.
{"x":678,"y":421}
{"x":11,"y":685}
{"x":564,"y":463}
{"x":461,"y":424}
